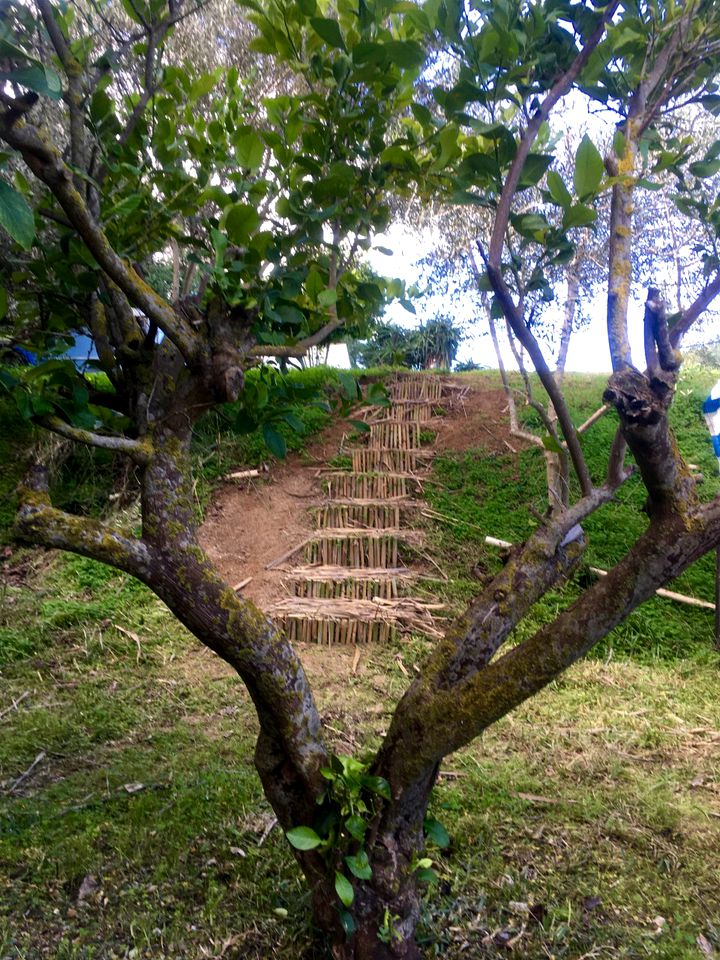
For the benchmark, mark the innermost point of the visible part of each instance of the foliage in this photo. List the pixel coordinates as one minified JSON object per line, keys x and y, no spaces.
{"x":266,"y":203}
{"x":433,"y":344}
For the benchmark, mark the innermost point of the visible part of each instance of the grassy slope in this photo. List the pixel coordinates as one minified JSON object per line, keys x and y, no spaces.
{"x":492,"y":494}
{"x":604,"y":787}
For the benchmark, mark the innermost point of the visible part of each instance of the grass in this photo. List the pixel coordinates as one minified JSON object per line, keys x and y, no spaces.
{"x":491,"y":494}
{"x":583,"y":825}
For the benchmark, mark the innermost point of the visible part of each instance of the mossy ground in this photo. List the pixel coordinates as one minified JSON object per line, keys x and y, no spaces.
{"x":584,"y":825}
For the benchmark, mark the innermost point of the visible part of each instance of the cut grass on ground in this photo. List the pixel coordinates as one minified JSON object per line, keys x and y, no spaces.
{"x":583,"y":825}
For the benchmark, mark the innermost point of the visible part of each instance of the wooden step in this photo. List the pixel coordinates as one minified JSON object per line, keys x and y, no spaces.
{"x":397,"y":434}
{"x":348,"y":547}
{"x":353,"y":621}
{"x":374,"y":460}
{"x":409,"y":411}
{"x":343,"y":484}
{"x":363,"y":583}
{"x":373,"y":514}
{"x":426,"y":388}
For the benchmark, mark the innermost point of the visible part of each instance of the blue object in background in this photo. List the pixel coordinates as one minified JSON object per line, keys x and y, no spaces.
{"x":711,"y":411}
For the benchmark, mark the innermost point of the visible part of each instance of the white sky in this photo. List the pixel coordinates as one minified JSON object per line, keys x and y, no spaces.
{"x":589,"y":351}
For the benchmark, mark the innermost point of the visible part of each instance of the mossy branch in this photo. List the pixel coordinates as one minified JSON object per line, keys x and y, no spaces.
{"x":138,"y":451}
{"x":45,"y":161}
{"x":39,"y":522}
{"x":432,"y":721}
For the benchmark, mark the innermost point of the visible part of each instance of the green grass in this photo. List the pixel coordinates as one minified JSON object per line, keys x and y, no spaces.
{"x":491,"y":495}
{"x":575,"y":822}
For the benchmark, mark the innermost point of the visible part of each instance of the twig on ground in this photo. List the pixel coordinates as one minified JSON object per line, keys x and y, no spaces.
{"x":24,"y":776}
{"x":14,"y":704}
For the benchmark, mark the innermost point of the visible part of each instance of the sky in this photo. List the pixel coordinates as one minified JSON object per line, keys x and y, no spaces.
{"x":588,"y":352}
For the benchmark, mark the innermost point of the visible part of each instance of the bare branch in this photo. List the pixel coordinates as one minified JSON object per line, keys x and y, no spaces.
{"x":559,"y":89}
{"x":547,"y":379}
{"x":694,"y":311}
{"x":300,"y":348}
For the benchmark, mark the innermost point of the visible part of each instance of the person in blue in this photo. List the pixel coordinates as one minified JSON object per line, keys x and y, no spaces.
{"x":711,"y":411}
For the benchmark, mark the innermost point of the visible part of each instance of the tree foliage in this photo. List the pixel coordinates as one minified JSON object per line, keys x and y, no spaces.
{"x":434,"y":344}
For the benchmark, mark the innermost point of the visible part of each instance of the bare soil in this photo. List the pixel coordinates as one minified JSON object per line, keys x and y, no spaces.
{"x":251,"y":523}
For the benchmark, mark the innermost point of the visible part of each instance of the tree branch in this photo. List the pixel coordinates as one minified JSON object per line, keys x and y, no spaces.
{"x":300,"y":348}
{"x":432,"y":721}
{"x":559,"y":89}
{"x":694,"y":311}
{"x":137,"y":451}
{"x":46,"y":163}
{"x":39,"y":522}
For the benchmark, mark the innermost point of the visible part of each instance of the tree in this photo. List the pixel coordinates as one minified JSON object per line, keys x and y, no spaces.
{"x":434,"y":344}
{"x":285,"y":204}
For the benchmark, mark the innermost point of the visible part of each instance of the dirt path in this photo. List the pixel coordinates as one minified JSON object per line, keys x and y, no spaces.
{"x":251,"y":523}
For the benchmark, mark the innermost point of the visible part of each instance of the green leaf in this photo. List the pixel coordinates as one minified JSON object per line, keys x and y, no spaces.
{"x":558,"y":191}
{"x":530,"y":225}
{"x":405,"y":53}
{"x":359,"y":865}
{"x":3,"y":303}
{"x":589,"y":168}
{"x":249,"y":149}
{"x":711,"y":102}
{"x":348,"y":924}
{"x":241,"y":220}
{"x":579,"y":215}
{"x":349,"y":386}
{"x":16,"y":217}
{"x":344,"y":889}
{"x":378,"y":785}
{"x":203,"y":85}
{"x":534,"y":169}
{"x":619,"y":144}
{"x":314,"y":285}
{"x":329,"y":30}
{"x":436,"y":832}
{"x":550,"y":443}
{"x":705,"y":168}
{"x":276,"y":444}
{"x":360,"y":426}
{"x":356,"y":827}
{"x":295,"y":423}
{"x":327,"y":298}
{"x":426,"y":875}
{"x":42,"y":80}
{"x":303,"y":838}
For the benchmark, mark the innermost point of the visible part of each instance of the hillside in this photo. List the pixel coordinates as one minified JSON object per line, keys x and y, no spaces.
{"x":132,"y":822}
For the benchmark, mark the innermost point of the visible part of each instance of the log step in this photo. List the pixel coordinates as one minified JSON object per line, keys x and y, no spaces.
{"x":338,"y":615}
{"x":377,"y":459}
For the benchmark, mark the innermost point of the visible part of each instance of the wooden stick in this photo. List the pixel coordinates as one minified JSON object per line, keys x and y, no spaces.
{"x":594,"y":418}
{"x":242,"y":584}
{"x":242,"y":475}
{"x":14,"y":704}
{"x":288,"y":554}
{"x":661,"y":592}
{"x":23,"y":776}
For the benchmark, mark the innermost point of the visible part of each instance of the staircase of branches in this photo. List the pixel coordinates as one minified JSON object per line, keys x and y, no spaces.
{"x":353,"y":579}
